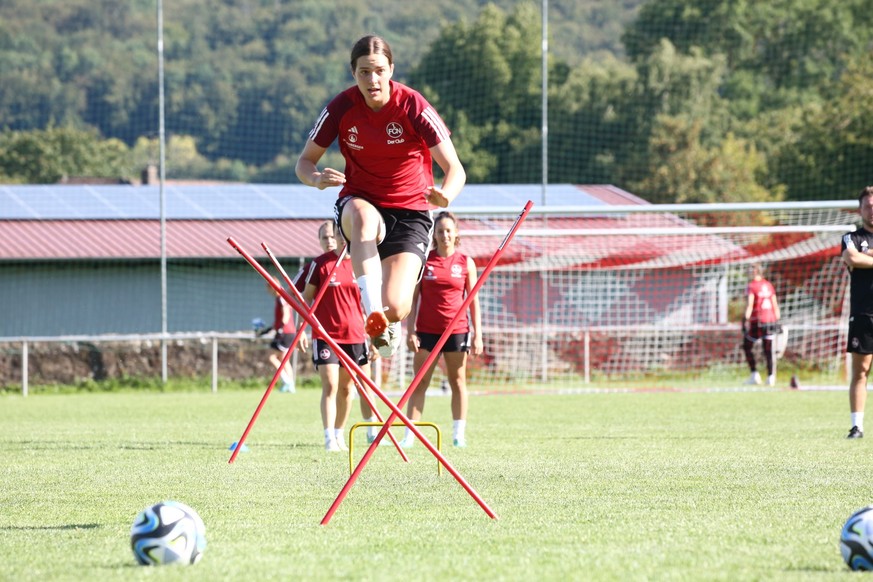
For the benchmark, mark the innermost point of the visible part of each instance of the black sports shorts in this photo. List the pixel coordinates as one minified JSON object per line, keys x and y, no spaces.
{"x":406,"y":231}
{"x":457,"y":342}
{"x":860,"y":334}
{"x":757,"y":330}
{"x":322,"y":353}
{"x":282,"y":341}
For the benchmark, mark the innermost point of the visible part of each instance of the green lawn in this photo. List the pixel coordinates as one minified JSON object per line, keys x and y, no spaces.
{"x":631,"y":486}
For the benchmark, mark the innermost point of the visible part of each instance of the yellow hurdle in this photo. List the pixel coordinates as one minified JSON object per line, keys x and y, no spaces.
{"x":439,"y":440}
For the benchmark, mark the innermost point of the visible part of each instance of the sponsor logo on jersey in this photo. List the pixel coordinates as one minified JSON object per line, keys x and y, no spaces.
{"x":352,"y":138}
{"x":456,"y":271}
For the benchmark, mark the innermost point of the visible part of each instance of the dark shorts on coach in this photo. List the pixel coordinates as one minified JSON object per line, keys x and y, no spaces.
{"x":860,"y":334}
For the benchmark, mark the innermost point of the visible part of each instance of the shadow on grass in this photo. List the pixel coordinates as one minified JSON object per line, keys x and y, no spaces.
{"x":43,"y":445}
{"x":72,"y":526}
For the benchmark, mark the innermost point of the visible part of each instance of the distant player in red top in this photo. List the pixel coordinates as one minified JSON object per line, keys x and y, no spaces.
{"x":388,"y":134}
{"x":448,"y":277}
{"x":760,"y":321}
{"x":339,"y":312}
{"x":282,"y":328}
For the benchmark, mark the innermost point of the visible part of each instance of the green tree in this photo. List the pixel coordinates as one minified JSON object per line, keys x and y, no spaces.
{"x":592,"y":127}
{"x":683,"y":170}
{"x":185,"y":161}
{"x":826,"y":149}
{"x":778,"y":53}
{"x":498,"y":59}
{"x":47,"y":156}
{"x":672,"y":84}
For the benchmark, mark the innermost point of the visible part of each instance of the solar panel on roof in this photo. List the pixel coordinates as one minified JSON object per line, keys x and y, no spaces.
{"x":234,"y":201}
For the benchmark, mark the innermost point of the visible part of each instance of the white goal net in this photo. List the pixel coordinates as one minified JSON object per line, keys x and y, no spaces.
{"x":653,"y":296}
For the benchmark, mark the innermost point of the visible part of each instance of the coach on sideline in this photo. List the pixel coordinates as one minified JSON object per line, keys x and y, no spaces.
{"x":856,"y":248}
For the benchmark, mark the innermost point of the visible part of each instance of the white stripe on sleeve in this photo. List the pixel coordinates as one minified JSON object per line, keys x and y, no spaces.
{"x":435,"y":121}
{"x":318,"y":123}
{"x":847,"y":240}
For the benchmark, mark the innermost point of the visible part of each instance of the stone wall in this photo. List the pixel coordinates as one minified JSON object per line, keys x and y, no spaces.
{"x":75,"y":362}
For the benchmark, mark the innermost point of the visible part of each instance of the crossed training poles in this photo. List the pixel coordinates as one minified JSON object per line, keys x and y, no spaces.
{"x":239,"y":444}
{"x":297,"y":303}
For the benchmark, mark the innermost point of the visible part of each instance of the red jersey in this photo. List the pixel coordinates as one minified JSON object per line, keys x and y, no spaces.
{"x":339,"y":310}
{"x":762,"y":308}
{"x":387,"y":152}
{"x":442,"y":291}
{"x":300,"y":278}
{"x":279,"y":314}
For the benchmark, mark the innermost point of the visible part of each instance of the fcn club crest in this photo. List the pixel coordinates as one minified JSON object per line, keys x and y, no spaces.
{"x":394,"y":129}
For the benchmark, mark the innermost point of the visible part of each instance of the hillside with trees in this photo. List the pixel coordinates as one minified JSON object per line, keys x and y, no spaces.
{"x":678,"y":100}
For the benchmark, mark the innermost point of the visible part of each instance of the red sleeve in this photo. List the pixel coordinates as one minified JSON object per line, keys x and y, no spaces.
{"x":326,"y":127}
{"x":314,"y":276}
{"x":425,"y":119}
{"x":300,"y":278}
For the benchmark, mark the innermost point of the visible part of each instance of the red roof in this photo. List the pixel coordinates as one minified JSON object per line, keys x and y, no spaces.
{"x":140,"y":239}
{"x":135,"y":235}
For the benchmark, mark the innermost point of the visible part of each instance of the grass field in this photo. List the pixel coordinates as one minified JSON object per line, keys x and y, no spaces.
{"x":635,"y":486}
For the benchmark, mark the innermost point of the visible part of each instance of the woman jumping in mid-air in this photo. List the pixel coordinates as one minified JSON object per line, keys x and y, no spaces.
{"x":388,"y":134}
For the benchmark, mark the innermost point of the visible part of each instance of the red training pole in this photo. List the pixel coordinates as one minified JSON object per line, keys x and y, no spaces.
{"x":350,"y":364}
{"x":434,"y":354}
{"x":315,"y":302}
{"x":285,"y":357}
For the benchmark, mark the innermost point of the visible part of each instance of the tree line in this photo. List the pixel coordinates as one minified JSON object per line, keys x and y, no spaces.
{"x":676,"y":100}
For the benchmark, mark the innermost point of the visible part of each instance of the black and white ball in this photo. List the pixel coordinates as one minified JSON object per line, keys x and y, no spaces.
{"x":856,"y":540}
{"x":168,"y":533}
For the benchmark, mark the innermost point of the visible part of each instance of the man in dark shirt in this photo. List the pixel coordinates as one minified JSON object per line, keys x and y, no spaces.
{"x":857,"y":255}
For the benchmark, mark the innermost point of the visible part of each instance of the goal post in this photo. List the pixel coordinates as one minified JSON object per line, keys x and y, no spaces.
{"x":652,"y":296}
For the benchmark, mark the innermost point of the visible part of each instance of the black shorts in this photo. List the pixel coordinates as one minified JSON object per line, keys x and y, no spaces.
{"x":322,"y":353}
{"x":406,"y":231}
{"x":282,"y":341}
{"x":757,"y":330}
{"x":457,"y":342}
{"x":860,"y":334}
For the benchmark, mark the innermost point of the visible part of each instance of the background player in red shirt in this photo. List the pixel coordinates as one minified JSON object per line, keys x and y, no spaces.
{"x":761,"y":321}
{"x":339,"y":313}
{"x":448,"y":277}
{"x":388,"y":135}
{"x":282,"y":328}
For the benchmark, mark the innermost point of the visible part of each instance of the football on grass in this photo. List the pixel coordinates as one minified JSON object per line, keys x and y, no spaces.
{"x":168,"y":533}
{"x":856,"y":539}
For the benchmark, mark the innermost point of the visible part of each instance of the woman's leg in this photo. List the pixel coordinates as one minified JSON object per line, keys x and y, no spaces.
{"x":400,"y":275}
{"x":363,"y":227}
{"x":285,"y":375}
{"x":343,"y":406}
{"x":367,"y":413}
{"x":415,"y":406}
{"x":329,"y":385}
{"x":456,"y":370}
